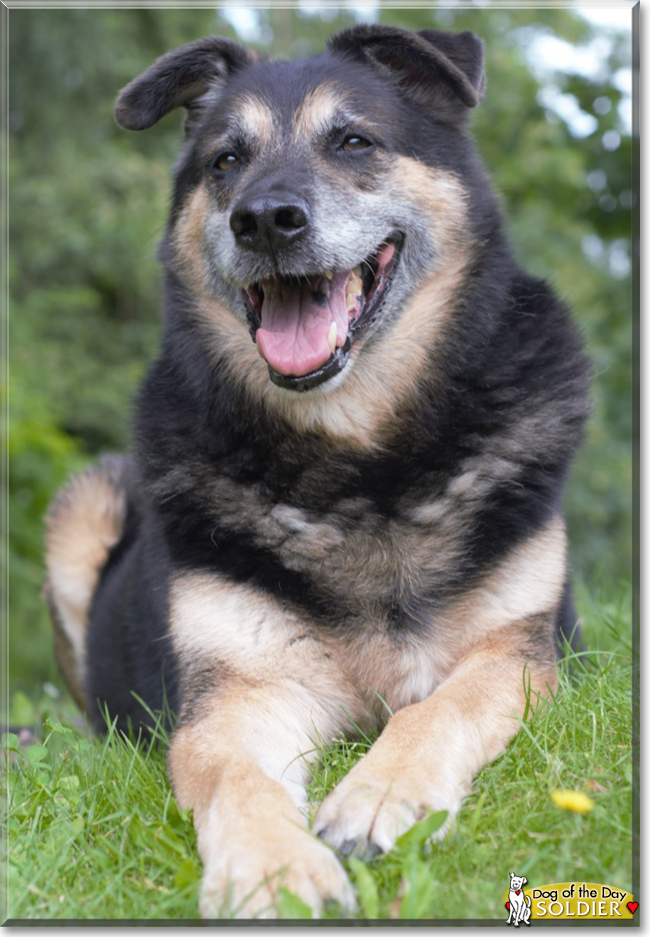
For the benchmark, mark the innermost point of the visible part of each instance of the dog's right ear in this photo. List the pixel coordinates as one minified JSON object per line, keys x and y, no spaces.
{"x":178,"y":79}
{"x":443,"y":72}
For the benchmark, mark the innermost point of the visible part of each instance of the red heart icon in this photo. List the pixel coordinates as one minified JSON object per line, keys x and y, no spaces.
{"x":516,"y":893}
{"x":632,"y":906}
{"x":507,"y":905}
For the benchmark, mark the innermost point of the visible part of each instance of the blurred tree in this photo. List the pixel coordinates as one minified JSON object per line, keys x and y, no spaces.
{"x":88,"y":203}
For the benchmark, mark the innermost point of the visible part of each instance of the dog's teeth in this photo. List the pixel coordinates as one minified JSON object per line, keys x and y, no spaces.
{"x":329,"y":274}
{"x":357,"y":270}
{"x":246,"y":286}
{"x":353,"y":288}
{"x":331,"y":338}
{"x":354,"y":283}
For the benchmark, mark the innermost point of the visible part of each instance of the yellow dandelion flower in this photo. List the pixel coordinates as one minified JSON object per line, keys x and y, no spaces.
{"x":572,"y":800}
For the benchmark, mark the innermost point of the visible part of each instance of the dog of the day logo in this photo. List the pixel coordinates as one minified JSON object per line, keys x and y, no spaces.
{"x":565,"y":901}
{"x":518,"y":903}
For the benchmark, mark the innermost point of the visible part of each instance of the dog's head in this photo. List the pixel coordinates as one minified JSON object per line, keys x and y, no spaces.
{"x":314,"y":198}
{"x":517,"y":882}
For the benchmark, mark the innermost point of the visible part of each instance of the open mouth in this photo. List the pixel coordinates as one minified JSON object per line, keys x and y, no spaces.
{"x":305,"y":326}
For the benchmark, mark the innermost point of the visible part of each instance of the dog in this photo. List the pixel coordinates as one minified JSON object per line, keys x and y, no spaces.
{"x":519,"y":902}
{"x":342,"y":509}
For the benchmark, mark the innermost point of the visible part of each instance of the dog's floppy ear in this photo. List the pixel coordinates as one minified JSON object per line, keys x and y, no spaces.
{"x":439,"y":70}
{"x":524,"y":880}
{"x":177,"y":79}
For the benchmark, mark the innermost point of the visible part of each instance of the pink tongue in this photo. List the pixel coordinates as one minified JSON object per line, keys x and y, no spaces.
{"x":296,"y":320}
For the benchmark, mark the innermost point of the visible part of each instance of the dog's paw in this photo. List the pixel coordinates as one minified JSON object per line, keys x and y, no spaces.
{"x":243,"y":879}
{"x":364,"y":815}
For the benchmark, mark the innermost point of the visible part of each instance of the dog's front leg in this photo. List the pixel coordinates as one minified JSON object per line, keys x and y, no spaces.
{"x":429,"y":752}
{"x":240,"y":766}
{"x":518,"y":916}
{"x":259,"y":689}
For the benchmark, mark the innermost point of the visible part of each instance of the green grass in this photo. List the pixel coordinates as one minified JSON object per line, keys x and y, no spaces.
{"x":94,"y":831}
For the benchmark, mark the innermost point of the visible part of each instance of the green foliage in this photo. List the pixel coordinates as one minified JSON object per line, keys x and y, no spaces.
{"x":88,"y":203}
{"x":94,"y":831}
{"x":291,"y":907}
{"x":366,"y":888}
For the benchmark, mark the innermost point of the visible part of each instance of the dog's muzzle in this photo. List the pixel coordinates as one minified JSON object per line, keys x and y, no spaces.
{"x":305,"y":326}
{"x":269,"y":224}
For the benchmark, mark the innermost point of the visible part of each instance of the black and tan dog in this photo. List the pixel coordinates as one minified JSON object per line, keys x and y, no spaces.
{"x":344,"y":500}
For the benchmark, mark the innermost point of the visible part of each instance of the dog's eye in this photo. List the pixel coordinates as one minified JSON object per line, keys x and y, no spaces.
{"x":354,"y":144}
{"x":226,"y":161}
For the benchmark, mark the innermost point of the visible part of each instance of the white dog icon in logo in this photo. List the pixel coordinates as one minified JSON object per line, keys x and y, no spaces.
{"x":518,"y":904}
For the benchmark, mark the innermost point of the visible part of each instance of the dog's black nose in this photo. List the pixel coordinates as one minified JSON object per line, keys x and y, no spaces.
{"x":269,"y":223}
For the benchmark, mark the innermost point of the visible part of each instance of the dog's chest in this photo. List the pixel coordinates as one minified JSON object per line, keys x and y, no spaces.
{"x":367,"y":565}
{"x":370,"y":669}
{"x":360,"y":546}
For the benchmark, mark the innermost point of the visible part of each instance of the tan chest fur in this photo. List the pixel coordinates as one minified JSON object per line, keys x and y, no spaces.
{"x":370,"y":671}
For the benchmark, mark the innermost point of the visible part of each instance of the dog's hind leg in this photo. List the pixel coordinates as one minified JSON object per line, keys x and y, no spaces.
{"x":526,"y":910}
{"x":84,"y":522}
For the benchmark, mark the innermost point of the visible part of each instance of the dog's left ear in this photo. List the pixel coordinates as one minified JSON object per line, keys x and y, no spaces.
{"x":439,"y":70}
{"x":524,"y":880}
{"x":179,"y":79}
